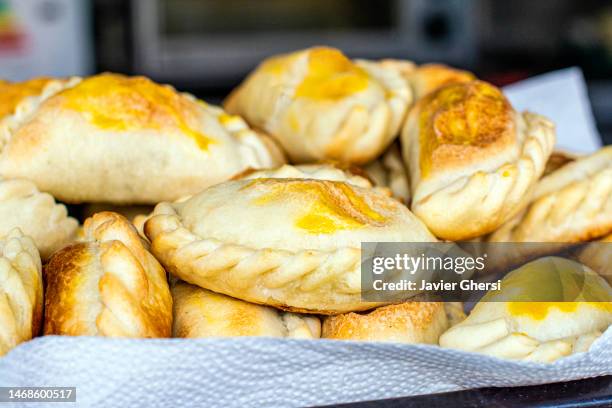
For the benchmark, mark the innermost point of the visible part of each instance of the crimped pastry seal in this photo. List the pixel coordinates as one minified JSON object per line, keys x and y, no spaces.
{"x":107,"y":285}
{"x":289,"y":243}
{"x":126,"y":140}
{"x":36,"y":214}
{"x":320,"y":105}
{"x":21,"y":290}
{"x":465,"y":145}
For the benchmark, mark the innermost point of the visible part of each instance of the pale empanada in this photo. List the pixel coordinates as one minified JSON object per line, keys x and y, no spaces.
{"x":528,"y":327}
{"x":289,"y":243}
{"x":321,"y":105}
{"x":201,"y":313}
{"x":472,"y":160}
{"x":571,"y":204}
{"x":126,"y":140}
{"x":107,"y":285}
{"x":36,"y":214}
{"x":21,"y":290}
{"x":409,"y":322}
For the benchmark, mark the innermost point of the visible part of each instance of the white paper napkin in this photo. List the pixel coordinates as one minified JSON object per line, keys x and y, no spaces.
{"x":561,"y":96}
{"x":261,"y":372}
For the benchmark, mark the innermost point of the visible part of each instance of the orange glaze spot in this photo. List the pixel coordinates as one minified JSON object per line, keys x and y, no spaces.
{"x":329,"y":206}
{"x":465,"y":114}
{"x":331,"y":75}
{"x":120,"y":103}
{"x":11,"y":94}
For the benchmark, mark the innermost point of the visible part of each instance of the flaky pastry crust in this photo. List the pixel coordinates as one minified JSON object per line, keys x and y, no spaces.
{"x":107,"y":285}
{"x":21,"y":290}
{"x":290,"y":243}
{"x":464,"y":145}
{"x":125,"y":140}
{"x":201,"y":313}
{"x":320,"y":105}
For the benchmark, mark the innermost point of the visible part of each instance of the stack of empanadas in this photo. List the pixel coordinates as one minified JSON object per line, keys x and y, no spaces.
{"x":221,"y":237}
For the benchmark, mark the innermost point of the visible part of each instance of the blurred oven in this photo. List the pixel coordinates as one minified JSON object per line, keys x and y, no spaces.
{"x":215,"y":42}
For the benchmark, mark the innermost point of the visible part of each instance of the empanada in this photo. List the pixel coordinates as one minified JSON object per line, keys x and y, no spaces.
{"x":472,"y":160}
{"x":572,"y":204}
{"x":598,"y":256}
{"x":201,"y":313}
{"x":409,"y":322}
{"x":36,"y":214}
{"x":290,"y":243}
{"x":529,"y":328}
{"x":21,"y":290}
{"x":126,"y":140}
{"x":321,"y":105}
{"x":107,"y":285}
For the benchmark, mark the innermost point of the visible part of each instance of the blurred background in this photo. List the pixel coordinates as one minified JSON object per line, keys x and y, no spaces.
{"x":207,"y":46}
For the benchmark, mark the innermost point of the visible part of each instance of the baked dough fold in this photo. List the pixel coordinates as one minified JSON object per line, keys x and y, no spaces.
{"x":36,"y":214}
{"x":290,"y":243}
{"x":571,"y":204}
{"x":21,"y":290}
{"x":107,"y":285}
{"x":201,"y":313}
{"x":321,"y":105}
{"x":527,"y":328}
{"x":126,"y":140}
{"x":464,"y":144}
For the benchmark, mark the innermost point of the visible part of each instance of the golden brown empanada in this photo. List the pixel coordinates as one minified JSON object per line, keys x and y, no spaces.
{"x":201,"y":313}
{"x":36,"y":214}
{"x":529,"y":328}
{"x":21,"y":290}
{"x":472,"y":160}
{"x":108,"y":285}
{"x":572,"y":204}
{"x":126,"y":140}
{"x":321,"y":105}
{"x":409,"y":322}
{"x":289,"y":243}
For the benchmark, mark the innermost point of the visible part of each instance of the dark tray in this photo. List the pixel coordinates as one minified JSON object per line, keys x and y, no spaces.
{"x":594,"y":392}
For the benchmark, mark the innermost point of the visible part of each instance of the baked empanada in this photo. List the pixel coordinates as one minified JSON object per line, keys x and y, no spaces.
{"x":21,"y":290}
{"x":36,"y":214}
{"x":126,"y":140}
{"x":517,"y":323}
{"x":572,"y":204}
{"x":201,"y":313}
{"x":290,"y":243}
{"x":321,"y":105}
{"x":472,"y":160}
{"x":107,"y":285}
{"x":409,"y":322}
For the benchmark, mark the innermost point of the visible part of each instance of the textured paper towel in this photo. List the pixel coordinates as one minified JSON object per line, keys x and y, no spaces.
{"x":256,"y":372}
